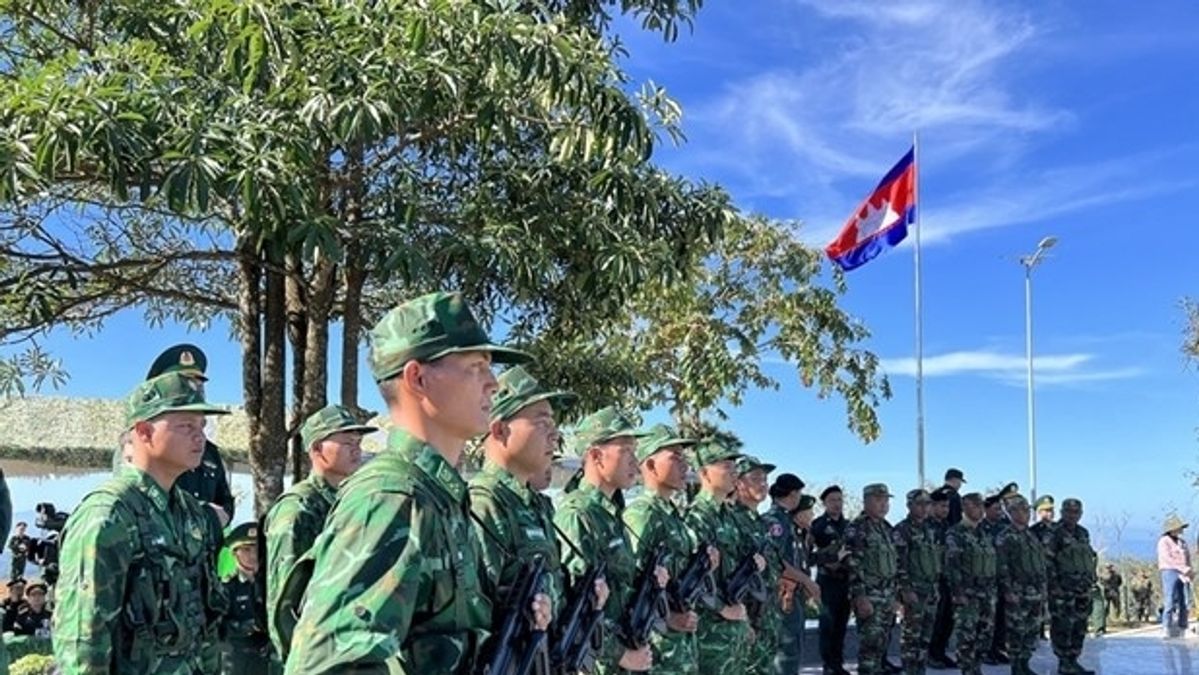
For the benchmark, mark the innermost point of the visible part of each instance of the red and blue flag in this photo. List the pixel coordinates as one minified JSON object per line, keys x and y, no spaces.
{"x":882,"y":219}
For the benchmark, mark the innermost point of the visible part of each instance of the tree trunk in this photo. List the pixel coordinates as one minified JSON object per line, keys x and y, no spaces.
{"x":355,"y":279}
{"x":297,"y":333}
{"x":249,"y":313}
{"x":271,"y":440}
{"x":316,"y":352}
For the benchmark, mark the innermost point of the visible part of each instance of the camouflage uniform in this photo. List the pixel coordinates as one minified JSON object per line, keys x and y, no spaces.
{"x":138,"y":591}
{"x":766,"y":618}
{"x":20,"y":546}
{"x":970,"y":568}
{"x":396,"y":582}
{"x":873,"y":565}
{"x":995,"y":529}
{"x":294,"y":521}
{"x":1022,"y":572}
{"x":918,"y":571}
{"x":247,"y":649}
{"x":1071,"y":578}
{"x":722,"y":643}
{"x":1142,"y":597}
{"x":655,"y":521}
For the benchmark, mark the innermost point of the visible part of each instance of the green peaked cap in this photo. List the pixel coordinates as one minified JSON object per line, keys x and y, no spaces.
{"x":330,"y":420}
{"x":167,"y":393}
{"x":428,"y":328}
{"x":181,"y":358}
{"x":601,"y":426}
{"x":518,"y":389}
{"x":713,"y":450}
{"x":242,"y":535}
{"x":658,"y":437}
{"x":747,"y":463}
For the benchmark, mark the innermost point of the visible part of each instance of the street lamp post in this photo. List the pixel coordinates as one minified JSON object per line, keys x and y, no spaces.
{"x":1029,"y":262}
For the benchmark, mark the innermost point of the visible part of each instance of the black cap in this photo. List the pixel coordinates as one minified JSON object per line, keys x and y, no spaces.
{"x":785,"y":484}
{"x":806,"y":502}
{"x":829,"y":490}
{"x":940,"y":494}
{"x":36,"y":583}
{"x":955,"y":473}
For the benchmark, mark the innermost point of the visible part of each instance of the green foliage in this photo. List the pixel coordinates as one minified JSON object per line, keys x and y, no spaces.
{"x":1190,"y":334}
{"x":31,"y":657}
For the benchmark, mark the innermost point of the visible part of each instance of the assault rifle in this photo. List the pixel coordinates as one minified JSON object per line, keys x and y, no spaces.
{"x":646,"y":612}
{"x":579,"y":626}
{"x":517,"y":647}
{"x":695,"y":584}
{"x":745,"y":584}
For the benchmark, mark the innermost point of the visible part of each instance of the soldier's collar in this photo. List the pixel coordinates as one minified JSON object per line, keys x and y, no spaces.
{"x":426,"y":458}
{"x":508,"y":480}
{"x":323,"y":486}
{"x":594,"y":494}
{"x":161,"y":499}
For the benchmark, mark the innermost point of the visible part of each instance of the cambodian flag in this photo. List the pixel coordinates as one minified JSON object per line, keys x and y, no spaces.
{"x":881,"y":221}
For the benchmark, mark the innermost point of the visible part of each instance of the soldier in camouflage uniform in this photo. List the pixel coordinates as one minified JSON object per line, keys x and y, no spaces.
{"x":1111,"y":582}
{"x":653,"y":520}
{"x":995,"y":523}
{"x":1071,"y":578}
{"x":765,"y":618}
{"x":395,"y":575}
{"x":589,"y":522}
{"x":970,"y":568}
{"x":938,"y":520}
{"x":333,"y":439}
{"x":1022,"y":575}
{"x":873,"y":565}
{"x":723,"y":635}
{"x":247,"y":647}
{"x":138,"y":591}
{"x":1142,"y":596}
{"x":208,"y":482}
{"x":1041,"y":529}
{"x":794,"y":585}
{"x":917,"y":574}
{"x":511,"y":521}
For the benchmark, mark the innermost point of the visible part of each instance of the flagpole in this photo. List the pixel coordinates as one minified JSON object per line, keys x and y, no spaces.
{"x":919,"y":322}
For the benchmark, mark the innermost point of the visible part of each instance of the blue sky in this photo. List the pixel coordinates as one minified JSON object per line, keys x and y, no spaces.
{"x":1077,"y":120}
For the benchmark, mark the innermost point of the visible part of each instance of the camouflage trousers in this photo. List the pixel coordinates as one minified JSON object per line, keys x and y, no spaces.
{"x":675,"y":653}
{"x":1068,"y":613}
{"x":874,"y":632}
{"x":917,"y":630}
{"x":973,"y":622}
{"x":1023,"y":621}
{"x":722,"y":646}
{"x":761,"y":653}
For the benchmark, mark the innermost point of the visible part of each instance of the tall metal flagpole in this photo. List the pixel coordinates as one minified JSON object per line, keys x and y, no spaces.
{"x":919,"y":322}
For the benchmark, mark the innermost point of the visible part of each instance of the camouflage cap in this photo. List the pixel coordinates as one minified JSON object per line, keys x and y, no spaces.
{"x":713,"y":450}
{"x":245,"y":534}
{"x":167,"y":393}
{"x":330,"y":420}
{"x":876,"y":490}
{"x":747,"y":463}
{"x":426,"y":329}
{"x":518,"y":389}
{"x":181,"y":358}
{"x":1016,"y":501}
{"x":36,"y":584}
{"x":659,"y":437}
{"x":602,"y":426}
{"x":1044,"y":502}
{"x":919,"y":496}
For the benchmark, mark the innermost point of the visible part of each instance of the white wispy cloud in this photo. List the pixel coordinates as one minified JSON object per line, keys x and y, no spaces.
{"x":1050,"y":369}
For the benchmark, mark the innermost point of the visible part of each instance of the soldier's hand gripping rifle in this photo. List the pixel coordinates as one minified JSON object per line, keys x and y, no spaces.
{"x":580,"y":626}
{"x":517,"y":648}
{"x":646,"y":612}
{"x":695,"y":585}
{"x":745,"y":584}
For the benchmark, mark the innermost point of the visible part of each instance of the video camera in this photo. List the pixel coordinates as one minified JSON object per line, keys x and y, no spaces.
{"x":44,"y":552}
{"x":50,"y":518}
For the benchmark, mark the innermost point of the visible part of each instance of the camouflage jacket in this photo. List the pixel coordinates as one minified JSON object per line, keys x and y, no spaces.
{"x":755,"y":533}
{"x":970,"y":564}
{"x":712,"y":520}
{"x":994,"y":529}
{"x":292,"y":525}
{"x":591,"y":522}
{"x":919,"y":556}
{"x":872,"y":558}
{"x":132,"y":552}
{"x":1021,"y":561}
{"x":1071,"y":560}
{"x":513,"y":524}
{"x":1041,"y":531}
{"x":396,"y":581}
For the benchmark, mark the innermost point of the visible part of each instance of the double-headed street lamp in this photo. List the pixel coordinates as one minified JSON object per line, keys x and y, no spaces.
{"x":1029,"y":262}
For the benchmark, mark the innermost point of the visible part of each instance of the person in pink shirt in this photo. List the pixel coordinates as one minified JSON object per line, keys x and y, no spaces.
{"x":1174,"y":563}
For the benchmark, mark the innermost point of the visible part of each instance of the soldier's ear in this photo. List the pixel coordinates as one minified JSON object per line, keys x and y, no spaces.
{"x":498,"y":429}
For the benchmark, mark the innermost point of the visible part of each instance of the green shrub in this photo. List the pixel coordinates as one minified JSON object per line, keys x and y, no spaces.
{"x":33,"y":664}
